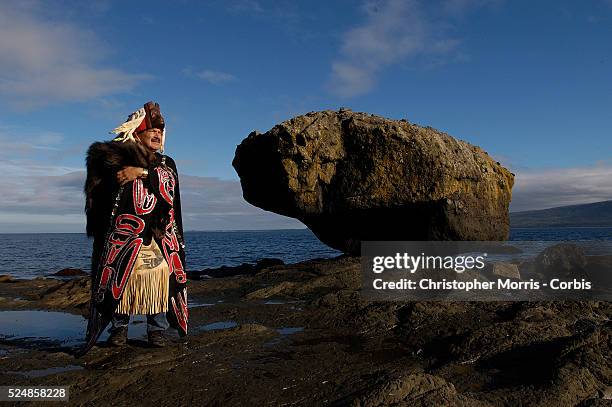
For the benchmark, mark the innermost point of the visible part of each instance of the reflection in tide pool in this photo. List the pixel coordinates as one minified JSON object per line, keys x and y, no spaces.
{"x":290,"y":330}
{"x":218,"y":325}
{"x":280,"y":302}
{"x":49,"y":326}
{"x":192,"y":304}
{"x":42,"y":325}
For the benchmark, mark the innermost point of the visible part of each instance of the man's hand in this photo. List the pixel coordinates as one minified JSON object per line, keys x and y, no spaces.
{"x":128,"y":174}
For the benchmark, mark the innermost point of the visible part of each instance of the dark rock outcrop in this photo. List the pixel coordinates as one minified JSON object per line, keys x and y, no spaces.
{"x":354,"y":176}
{"x":565,"y":260}
{"x":5,"y":278}
{"x":230,"y":271}
{"x":70,"y":272}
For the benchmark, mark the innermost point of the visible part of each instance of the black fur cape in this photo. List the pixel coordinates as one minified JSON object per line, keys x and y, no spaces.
{"x":144,"y":209}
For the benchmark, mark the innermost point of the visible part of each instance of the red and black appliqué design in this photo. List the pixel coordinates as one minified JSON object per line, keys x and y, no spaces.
{"x":180,"y":310}
{"x":144,"y":202}
{"x":138,"y":206}
{"x":121,"y":251}
{"x":167,"y":182}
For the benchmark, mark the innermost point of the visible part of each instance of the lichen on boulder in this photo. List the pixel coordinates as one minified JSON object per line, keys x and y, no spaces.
{"x":353,"y":176}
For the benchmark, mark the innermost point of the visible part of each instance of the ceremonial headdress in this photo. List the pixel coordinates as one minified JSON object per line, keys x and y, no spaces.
{"x":147,"y":117}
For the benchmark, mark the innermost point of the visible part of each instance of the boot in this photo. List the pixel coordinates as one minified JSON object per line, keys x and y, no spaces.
{"x":118,"y":337}
{"x":157,"y":339}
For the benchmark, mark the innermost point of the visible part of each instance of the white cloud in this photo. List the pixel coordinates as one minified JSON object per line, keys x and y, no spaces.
{"x":215,"y":204}
{"x":393,"y":31}
{"x":34,"y":202}
{"x":43,"y":61}
{"x":38,"y":194}
{"x":26,"y":151}
{"x":215,"y":77}
{"x":542,"y":189}
{"x":350,"y":79}
{"x":41,"y":195}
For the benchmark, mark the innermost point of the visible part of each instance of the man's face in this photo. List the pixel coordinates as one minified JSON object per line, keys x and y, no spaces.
{"x":151,"y":139}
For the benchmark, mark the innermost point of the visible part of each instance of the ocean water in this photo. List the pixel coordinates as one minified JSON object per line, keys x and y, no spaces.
{"x":32,"y":255}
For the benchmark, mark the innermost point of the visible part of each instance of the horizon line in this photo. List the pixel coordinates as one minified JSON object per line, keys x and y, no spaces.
{"x":187,"y":231}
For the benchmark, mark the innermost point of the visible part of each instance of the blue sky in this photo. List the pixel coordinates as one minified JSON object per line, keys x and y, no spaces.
{"x":529,"y":82}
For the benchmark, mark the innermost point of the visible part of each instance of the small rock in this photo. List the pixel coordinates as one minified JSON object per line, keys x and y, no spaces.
{"x":223,"y":271}
{"x":506,"y":270}
{"x":6,"y":279}
{"x":70,"y":272}
{"x":268,"y":262}
{"x":606,"y":393}
{"x":564,"y":259}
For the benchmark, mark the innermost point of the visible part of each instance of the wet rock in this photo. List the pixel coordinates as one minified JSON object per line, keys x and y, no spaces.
{"x":562,"y":260}
{"x":419,"y":389}
{"x":346,"y":274}
{"x":6,"y":279}
{"x":223,"y":271}
{"x":70,"y":272}
{"x":74,"y":293}
{"x":605,"y":393}
{"x":354,"y":176}
{"x":266,"y":292}
{"x":268,"y":262}
{"x":506,"y":270}
{"x":249,"y":329}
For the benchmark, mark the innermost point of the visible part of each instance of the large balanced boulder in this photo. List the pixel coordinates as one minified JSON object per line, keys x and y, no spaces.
{"x":355,"y":176}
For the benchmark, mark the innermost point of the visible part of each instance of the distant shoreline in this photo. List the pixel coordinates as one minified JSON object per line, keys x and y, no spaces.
{"x":284,"y":230}
{"x":560,"y":227}
{"x":187,"y":231}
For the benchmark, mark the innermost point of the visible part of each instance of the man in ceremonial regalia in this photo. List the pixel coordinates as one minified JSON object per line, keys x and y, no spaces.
{"x":133,"y":213}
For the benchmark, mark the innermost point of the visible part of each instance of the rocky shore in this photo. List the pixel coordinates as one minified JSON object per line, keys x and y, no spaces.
{"x":301,"y":334}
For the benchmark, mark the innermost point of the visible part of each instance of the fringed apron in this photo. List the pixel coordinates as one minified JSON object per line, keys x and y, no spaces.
{"x":146,"y":291}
